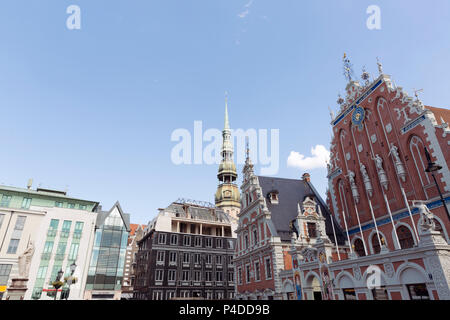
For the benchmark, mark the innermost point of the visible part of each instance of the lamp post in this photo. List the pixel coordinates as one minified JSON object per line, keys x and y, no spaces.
{"x":73,"y":266}
{"x":57,"y":284}
{"x":432,"y":168}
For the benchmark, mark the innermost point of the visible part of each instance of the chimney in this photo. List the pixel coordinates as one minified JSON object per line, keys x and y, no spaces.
{"x":306,"y":177}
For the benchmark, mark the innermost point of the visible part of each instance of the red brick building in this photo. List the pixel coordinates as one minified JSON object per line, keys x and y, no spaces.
{"x":383,"y":199}
{"x":263,"y":262}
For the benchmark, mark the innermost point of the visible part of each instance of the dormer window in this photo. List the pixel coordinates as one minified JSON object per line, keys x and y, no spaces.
{"x":273,"y":197}
{"x":312,"y":232}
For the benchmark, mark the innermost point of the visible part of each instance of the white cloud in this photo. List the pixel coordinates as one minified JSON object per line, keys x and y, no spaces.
{"x":319,"y":159}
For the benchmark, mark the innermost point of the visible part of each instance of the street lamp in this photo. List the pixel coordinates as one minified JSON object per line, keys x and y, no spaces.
{"x":73,"y":266}
{"x":432,"y":168}
{"x":57,"y":284}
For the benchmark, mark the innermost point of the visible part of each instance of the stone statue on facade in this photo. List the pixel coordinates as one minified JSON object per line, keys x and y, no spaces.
{"x":366,"y":180}
{"x":351,"y":178}
{"x":24,"y":260}
{"x":426,"y":221}
{"x":381,"y":173}
{"x":398,"y":163}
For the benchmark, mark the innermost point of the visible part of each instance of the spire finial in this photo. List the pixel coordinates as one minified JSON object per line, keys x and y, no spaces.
{"x":380,"y":66}
{"x":227,"y":124}
{"x":348,"y":70}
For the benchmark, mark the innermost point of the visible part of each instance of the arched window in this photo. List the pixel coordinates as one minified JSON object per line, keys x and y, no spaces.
{"x":417,"y":151}
{"x":376,"y":244}
{"x":359,"y":248}
{"x":405,"y":237}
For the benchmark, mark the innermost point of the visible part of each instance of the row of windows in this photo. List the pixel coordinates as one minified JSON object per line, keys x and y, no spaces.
{"x":256,"y":271}
{"x":162,"y":239}
{"x":185,"y":257}
{"x":159,"y":295}
{"x":187,"y":275}
{"x":26,"y":202}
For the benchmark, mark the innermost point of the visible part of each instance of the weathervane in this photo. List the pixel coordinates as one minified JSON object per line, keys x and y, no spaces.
{"x":416,"y":93}
{"x":348,"y":68}
{"x":380,"y":66}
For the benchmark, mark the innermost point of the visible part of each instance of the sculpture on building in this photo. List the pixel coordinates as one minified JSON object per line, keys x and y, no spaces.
{"x":426,"y":222}
{"x":381,"y":173}
{"x":366,"y":180}
{"x":351,"y":178}
{"x":399,"y":168}
{"x":24,"y":260}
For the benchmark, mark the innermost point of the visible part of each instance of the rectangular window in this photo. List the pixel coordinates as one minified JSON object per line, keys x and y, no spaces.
{"x":187,"y":240}
{"x":5,"y":201}
{"x":48,"y":246}
{"x":71,"y":206}
{"x":172,"y":257}
{"x":158,"y":295}
{"x":209,"y":259}
{"x":197,"y":276}
{"x":185,"y":275}
{"x":186,"y":257}
{"x":78,"y":229}
{"x":159,"y":275}
{"x":268,"y":268}
{"x":257,"y":271}
{"x":231,"y":276}
{"x":219,"y":276}
{"x":5,"y":270}
{"x":208,"y":276}
{"x":172,"y":275}
{"x":219,"y":243}
{"x":218,"y":259}
{"x":247,"y":273}
{"x":197,"y":258}
{"x":198,"y":241}
{"x":82,"y":207}
{"x":418,"y":291}
{"x":162,"y":238}
{"x":349,"y":294}
{"x":312,"y":230}
{"x":26,"y":202}
{"x":58,"y":204}
{"x":208,"y":242}
{"x":17,"y":233}
{"x":170,"y":295}
{"x":174,"y":239}
{"x":73,"y":252}
{"x":230,"y":244}
{"x":41,"y":272}
{"x":239,"y":275}
{"x":160,"y":256}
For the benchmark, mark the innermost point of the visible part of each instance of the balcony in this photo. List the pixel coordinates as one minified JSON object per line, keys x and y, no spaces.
{"x":208,"y":266}
{"x":171,"y":282}
{"x":231,"y":283}
{"x":208,"y":283}
{"x":186,"y":265}
{"x":219,"y":283}
{"x":197,"y":283}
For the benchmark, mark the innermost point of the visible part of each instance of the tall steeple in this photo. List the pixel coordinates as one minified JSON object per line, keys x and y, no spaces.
{"x":227,"y":195}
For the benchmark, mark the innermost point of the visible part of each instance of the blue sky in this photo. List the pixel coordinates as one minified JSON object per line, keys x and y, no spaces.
{"x":92,"y":110}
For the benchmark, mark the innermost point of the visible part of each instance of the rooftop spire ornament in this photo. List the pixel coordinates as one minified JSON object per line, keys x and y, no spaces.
{"x":380,"y":66}
{"x":348,"y":68}
{"x":365,"y":75}
{"x":416,"y":93}
{"x":340,"y":100}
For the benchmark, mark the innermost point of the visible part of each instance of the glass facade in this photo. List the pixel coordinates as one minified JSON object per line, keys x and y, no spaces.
{"x":108,"y":255}
{"x":56,"y":254}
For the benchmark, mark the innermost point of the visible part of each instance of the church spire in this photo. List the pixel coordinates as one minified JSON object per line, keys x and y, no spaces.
{"x":227,"y":124}
{"x":227,"y":195}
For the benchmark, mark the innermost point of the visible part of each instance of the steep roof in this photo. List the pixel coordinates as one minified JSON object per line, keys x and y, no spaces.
{"x":440,"y":112}
{"x":102,"y":215}
{"x":292,"y":192}
{"x":134,"y":227}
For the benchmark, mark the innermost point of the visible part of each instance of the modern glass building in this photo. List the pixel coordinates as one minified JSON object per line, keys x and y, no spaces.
{"x":106,"y":268}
